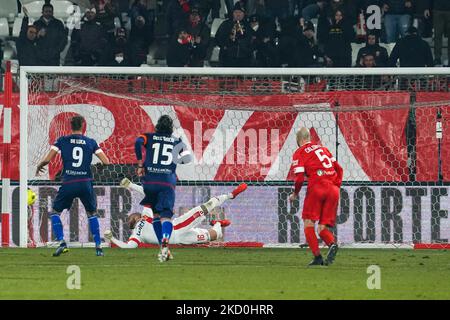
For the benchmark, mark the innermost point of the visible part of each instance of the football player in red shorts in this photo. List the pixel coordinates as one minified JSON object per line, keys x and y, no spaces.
{"x":322,"y":196}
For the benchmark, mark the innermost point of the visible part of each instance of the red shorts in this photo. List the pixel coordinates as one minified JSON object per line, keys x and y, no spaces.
{"x":321,"y":203}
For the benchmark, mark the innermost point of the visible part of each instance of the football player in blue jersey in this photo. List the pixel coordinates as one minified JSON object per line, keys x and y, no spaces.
{"x":76,"y":153}
{"x":158,"y":177}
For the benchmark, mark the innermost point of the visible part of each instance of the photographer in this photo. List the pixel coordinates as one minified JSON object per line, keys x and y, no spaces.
{"x":234,"y":39}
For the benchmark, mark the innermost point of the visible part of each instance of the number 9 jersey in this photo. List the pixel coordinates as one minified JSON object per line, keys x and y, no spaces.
{"x":76,"y":153}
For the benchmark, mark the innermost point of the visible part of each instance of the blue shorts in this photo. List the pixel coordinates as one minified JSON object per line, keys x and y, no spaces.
{"x":160,"y":197}
{"x":83,"y":190}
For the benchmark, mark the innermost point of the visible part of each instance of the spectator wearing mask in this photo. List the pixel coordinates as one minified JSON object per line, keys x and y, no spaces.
{"x":180,"y":48}
{"x":27,"y":43}
{"x":338,"y":48}
{"x":120,"y":59}
{"x":441,"y":25}
{"x":374,"y":49}
{"x":52,"y":36}
{"x":397,"y":18}
{"x":411,"y":51}
{"x":234,"y":39}
{"x":89,"y":42}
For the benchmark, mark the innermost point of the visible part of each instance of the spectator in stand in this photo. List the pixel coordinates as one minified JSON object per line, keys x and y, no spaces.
{"x":89,"y":42}
{"x":317,"y":58}
{"x":200,"y":33}
{"x":441,"y":24}
{"x":142,"y":8}
{"x":264,"y":41}
{"x":120,"y":59}
{"x":397,"y":18}
{"x":27,"y":43}
{"x":374,"y":49}
{"x":141,"y":36}
{"x":234,"y":38}
{"x":177,"y":12}
{"x":179,"y":51}
{"x":106,"y":12}
{"x":313,"y":10}
{"x":120,"y":45}
{"x":411,"y":51}
{"x":277,"y":9}
{"x":338,"y":48}
{"x":369,"y":82}
{"x":52,"y":36}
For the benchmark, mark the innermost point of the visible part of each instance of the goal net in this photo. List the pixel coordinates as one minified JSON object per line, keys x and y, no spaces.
{"x":383,"y":126}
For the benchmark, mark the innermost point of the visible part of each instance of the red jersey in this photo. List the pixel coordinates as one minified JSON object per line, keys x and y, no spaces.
{"x":317,"y":163}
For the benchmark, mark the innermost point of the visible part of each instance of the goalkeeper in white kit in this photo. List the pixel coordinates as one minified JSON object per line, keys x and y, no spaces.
{"x":185,"y":229}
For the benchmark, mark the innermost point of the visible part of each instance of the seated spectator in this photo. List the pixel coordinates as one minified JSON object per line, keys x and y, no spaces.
{"x":368,"y":82}
{"x":89,"y":42}
{"x":120,"y":59}
{"x":397,"y":18}
{"x":338,"y":48}
{"x":441,"y":24}
{"x":141,"y":36}
{"x":27,"y":43}
{"x":234,"y":39}
{"x":373,"y":48}
{"x":52,"y":37}
{"x":180,"y":48}
{"x":411,"y":51}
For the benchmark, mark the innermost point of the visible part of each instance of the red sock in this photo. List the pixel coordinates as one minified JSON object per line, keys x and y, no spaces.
{"x":311,"y":238}
{"x":327,"y":236}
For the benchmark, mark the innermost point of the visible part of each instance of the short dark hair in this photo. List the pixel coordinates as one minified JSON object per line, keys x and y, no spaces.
{"x":77,"y":123}
{"x":164,"y":125}
{"x":47,"y":5}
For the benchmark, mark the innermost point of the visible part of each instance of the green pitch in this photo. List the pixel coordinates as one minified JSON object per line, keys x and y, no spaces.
{"x":224,"y":273}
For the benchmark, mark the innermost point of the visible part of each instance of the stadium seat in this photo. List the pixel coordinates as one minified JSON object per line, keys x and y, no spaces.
{"x":215,"y":26}
{"x":215,"y":55}
{"x":355,"y":50}
{"x":8,"y":9}
{"x":34,"y":8}
{"x":388,"y":46}
{"x":4,"y":28}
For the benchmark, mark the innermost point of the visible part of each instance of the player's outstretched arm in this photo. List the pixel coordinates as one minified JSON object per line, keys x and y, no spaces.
{"x":127,"y":184}
{"x":124,"y":245}
{"x":103,"y":158}
{"x":299,"y":178}
{"x":49,"y":157}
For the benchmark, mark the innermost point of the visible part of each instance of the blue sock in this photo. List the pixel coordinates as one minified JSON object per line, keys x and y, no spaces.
{"x":58,"y":231}
{"x":94,"y":226}
{"x":167,"y":228}
{"x":158,"y":228}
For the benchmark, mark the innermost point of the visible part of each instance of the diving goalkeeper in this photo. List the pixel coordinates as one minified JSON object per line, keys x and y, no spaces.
{"x":185,"y":226}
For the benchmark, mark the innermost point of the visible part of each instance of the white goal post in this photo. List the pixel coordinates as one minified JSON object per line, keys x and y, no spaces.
{"x":335,"y":102}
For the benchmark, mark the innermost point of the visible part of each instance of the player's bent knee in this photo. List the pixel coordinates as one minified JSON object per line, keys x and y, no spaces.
{"x":91,"y":214}
{"x":321,"y":227}
{"x":308,"y":223}
{"x":212,"y":235}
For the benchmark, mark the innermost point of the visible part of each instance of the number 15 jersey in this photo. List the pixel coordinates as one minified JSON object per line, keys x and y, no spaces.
{"x":161,"y":155}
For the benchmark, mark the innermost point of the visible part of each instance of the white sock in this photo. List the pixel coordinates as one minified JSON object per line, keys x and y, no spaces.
{"x":217,"y":201}
{"x":218,"y":229}
{"x":136,"y":188}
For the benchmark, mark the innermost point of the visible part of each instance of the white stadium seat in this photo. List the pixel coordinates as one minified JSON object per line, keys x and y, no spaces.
{"x":8,"y":9}
{"x":215,"y":26}
{"x":34,"y":8}
{"x":355,"y":50}
{"x":4,"y":28}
